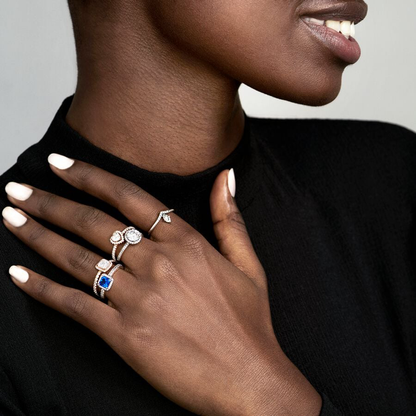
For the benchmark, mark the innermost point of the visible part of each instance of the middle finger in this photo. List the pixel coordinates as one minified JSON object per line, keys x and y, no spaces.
{"x":87,"y":222}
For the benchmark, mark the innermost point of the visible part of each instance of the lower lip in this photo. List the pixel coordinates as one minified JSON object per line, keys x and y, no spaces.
{"x":346,"y":49}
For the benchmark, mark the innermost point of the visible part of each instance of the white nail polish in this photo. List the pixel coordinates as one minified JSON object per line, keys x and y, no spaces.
{"x":14,"y":217}
{"x":231,"y":182}
{"x":18,"y":191}
{"x":59,"y":161}
{"x":19,"y":274}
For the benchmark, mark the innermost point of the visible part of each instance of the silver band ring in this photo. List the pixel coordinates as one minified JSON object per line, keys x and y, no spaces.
{"x":128,"y":236}
{"x":162,"y":215}
{"x":105,"y":282}
{"x":102,"y":266}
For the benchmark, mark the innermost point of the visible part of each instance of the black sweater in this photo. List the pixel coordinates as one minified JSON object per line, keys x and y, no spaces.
{"x":330,"y":207}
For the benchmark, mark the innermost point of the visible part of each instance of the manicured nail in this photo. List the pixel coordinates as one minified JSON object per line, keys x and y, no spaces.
{"x":19,"y":274}
{"x":13,"y":217}
{"x":59,"y":161}
{"x":231,"y":182}
{"x":18,"y":191}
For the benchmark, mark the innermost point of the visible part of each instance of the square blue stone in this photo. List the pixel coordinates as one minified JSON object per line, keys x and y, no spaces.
{"x":105,"y":282}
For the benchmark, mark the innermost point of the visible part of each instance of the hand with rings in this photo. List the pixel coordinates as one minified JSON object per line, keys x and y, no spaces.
{"x":193,"y":321}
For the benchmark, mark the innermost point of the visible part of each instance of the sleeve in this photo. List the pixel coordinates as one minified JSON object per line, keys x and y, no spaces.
{"x":9,"y":402}
{"x":328,"y":408}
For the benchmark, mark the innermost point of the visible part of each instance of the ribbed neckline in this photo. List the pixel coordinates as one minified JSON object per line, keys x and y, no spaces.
{"x":61,"y":138}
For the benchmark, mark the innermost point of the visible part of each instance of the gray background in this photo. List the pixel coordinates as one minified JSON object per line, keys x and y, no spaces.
{"x":38,"y":71}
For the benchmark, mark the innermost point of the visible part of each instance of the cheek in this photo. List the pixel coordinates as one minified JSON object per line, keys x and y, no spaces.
{"x":259,"y":43}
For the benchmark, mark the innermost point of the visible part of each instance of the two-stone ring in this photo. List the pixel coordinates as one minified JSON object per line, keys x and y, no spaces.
{"x":104,"y":278}
{"x":128,"y":236}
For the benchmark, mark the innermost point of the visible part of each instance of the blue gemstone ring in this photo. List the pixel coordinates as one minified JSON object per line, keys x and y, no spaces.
{"x":104,"y":278}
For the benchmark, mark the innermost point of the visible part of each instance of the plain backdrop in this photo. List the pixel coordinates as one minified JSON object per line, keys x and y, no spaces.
{"x":38,"y":70}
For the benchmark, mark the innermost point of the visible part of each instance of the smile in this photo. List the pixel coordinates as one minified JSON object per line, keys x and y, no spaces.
{"x":347,"y":28}
{"x":334,"y":26}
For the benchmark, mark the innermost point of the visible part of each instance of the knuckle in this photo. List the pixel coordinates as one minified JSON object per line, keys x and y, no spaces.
{"x":163,"y":266}
{"x":86,"y":218}
{"x":127,"y":190}
{"x":45,"y":203}
{"x":236,"y":221}
{"x":192,"y":244}
{"x":41,"y":289}
{"x":76,"y":303}
{"x":80,"y":259}
{"x":83,"y":173}
{"x":36,"y":232}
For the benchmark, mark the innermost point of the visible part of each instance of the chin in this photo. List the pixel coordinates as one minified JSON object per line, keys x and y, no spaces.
{"x":314,"y":89}
{"x":317,"y":98}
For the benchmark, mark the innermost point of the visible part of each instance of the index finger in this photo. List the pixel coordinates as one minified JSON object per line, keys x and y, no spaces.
{"x":141,"y":208}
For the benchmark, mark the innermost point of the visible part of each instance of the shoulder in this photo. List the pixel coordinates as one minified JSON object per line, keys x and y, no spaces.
{"x":324,"y":135}
{"x":332,"y":150}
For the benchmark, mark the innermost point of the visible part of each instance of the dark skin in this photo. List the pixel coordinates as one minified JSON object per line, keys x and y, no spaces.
{"x":158,"y":87}
{"x":162,"y":76}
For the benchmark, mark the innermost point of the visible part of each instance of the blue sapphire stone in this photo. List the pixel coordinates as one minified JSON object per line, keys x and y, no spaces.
{"x":105,"y":282}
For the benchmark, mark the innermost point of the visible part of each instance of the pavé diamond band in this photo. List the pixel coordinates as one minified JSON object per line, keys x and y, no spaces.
{"x":162,"y":215}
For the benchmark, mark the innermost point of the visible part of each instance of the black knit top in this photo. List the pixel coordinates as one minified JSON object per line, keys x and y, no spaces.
{"x":330,"y":206}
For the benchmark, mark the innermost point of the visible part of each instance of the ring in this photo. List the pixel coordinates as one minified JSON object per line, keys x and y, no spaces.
{"x":106,"y":280}
{"x":102,"y":266}
{"x":131,"y":236}
{"x":162,"y":215}
{"x":128,"y":236}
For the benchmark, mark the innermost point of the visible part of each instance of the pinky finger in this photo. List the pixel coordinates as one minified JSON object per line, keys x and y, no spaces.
{"x":76,"y":304}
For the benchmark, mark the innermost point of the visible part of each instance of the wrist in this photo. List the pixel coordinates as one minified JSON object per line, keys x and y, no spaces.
{"x":277,"y":387}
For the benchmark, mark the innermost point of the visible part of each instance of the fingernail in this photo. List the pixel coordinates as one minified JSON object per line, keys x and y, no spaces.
{"x":18,"y":191}
{"x":231,"y":182}
{"x":13,"y":217}
{"x":60,"y":162}
{"x":19,"y":274}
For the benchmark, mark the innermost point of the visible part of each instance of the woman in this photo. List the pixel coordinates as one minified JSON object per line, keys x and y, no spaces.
{"x":173,"y":255}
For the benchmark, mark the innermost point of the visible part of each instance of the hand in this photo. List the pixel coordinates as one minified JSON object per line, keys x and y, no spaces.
{"x":195,"y":323}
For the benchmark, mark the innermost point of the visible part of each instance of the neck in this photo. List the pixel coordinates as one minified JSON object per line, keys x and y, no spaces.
{"x":154,"y":106}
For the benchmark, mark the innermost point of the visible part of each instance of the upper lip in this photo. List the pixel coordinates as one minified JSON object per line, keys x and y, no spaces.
{"x":352,"y":10}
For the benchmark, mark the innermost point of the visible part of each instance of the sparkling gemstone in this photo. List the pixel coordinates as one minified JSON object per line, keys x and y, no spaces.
{"x":133,"y":236}
{"x":166,"y":218}
{"x":105,"y":282}
{"x":116,"y":238}
{"x":103,"y":265}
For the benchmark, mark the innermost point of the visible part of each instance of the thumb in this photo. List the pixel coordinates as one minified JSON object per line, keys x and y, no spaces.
{"x":230,"y":229}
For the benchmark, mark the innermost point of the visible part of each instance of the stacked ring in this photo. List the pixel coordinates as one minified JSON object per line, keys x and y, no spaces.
{"x":128,"y":236}
{"x":102,"y":266}
{"x":105,"y":281}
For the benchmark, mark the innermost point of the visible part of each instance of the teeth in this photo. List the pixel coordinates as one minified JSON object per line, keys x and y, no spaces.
{"x":346,"y":27}
{"x":316,"y":21}
{"x":333,"y":25}
{"x":352,"y":30}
